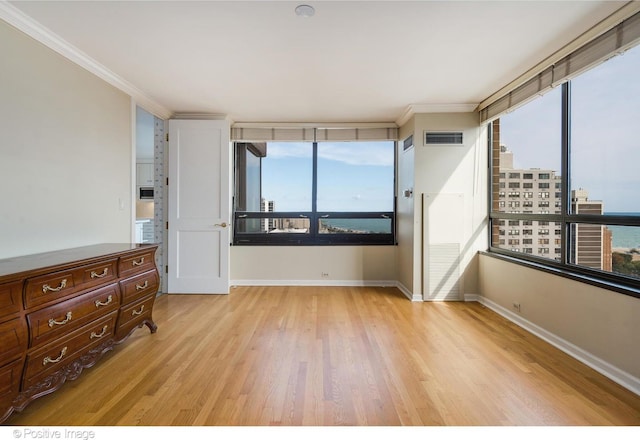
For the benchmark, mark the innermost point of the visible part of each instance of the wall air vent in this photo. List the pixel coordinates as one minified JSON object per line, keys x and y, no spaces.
{"x":407,"y":143}
{"x":443,"y":138}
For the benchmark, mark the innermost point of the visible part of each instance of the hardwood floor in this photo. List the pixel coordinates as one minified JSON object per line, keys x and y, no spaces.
{"x":332,"y":356}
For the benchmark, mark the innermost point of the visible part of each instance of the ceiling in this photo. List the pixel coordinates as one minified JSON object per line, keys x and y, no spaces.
{"x":353,"y":61}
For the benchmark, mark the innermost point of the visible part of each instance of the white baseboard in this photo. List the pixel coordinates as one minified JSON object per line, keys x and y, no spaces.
{"x":342,"y":283}
{"x":614,"y":373}
{"x":412,"y":296}
{"x":348,"y":283}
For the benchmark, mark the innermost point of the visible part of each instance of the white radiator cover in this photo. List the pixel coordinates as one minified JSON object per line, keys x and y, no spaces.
{"x":443,"y":276}
{"x":443,"y":238}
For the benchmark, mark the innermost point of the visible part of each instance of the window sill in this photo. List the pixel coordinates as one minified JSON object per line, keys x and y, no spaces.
{"x":624,"y":287}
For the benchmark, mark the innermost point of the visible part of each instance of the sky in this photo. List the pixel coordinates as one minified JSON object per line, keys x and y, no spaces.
{"x":352,"y":176}
{"x":605,"y":132}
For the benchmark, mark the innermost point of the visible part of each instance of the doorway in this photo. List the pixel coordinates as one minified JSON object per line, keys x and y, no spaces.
{"x":150,"y":198}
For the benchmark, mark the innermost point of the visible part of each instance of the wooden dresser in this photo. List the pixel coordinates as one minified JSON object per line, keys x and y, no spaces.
{"x":61,"y":311}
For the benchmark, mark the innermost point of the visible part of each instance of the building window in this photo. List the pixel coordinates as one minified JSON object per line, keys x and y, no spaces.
{"x":311,"y":193}
{"x":580,"y":141}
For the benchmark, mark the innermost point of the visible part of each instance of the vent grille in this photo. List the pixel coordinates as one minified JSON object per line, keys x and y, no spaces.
{"x":408,"y":143}
{"x":443,"y":138}
{"x":444,"y":271}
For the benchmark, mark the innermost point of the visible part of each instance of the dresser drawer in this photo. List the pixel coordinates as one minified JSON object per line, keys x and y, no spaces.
{"x":50,"y":358}
{"x":13,"y":338}
{"x":10,"y":298}
{"x":101,"y":273}
{"x":59,"y":319}
{"x":134,"y":315}
{"x":47,"y":288}
{"x":139,"y":286}
{"x":57,"y":285}
{"x":136,"y":263}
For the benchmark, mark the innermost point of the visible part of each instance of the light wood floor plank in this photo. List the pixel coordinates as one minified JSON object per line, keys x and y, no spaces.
{"x":324,"y":356}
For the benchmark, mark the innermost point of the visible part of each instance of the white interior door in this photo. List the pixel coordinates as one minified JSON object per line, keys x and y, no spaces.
{"x":199,"y":206}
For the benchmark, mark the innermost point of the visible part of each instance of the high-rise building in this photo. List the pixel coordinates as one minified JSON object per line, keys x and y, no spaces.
{"x":592,"y":245}
{"x":539,"y":191}
{"x":534,"y":191}
{"x":267,"y":224}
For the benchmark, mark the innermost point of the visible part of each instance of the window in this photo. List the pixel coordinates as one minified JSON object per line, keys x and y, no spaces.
{"x":314,"y":193}
{"x":581,"y":140}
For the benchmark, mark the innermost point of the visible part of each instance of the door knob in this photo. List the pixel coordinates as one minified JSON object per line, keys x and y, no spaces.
{"x":223,"y":224}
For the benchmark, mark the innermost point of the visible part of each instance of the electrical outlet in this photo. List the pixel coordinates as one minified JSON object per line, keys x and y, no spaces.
{"x":325,"y":274}
{"x":516,"y":307}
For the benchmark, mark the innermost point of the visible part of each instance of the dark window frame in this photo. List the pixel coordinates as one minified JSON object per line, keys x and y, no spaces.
{"x":314,"y":237}
{"x":565,"y":219}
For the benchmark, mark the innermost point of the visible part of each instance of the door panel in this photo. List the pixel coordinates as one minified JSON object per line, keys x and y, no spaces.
{"x":199,"y":208}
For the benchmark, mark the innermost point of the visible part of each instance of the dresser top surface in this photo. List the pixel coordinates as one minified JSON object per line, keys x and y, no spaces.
{"x":13,"y":267}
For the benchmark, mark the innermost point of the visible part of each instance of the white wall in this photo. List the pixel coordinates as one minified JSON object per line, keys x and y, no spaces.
{"x":66,"y":153}
{"x":409,"y":276}
{"x":449,"y":203}
{"x":600,"y":325}
{"x":305,"y":265}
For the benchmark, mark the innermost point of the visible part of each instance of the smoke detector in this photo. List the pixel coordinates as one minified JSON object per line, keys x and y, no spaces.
{"x":305,"y":11}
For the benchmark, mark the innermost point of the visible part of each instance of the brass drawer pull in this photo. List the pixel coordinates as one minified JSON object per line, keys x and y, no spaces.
{"x":53,"y":322}
{"x":94,"y":274}
{"x":46,"y":288}
{"x":144,"y":286}
{"x":58,"y":359}
{"x":109,"y":301}
{"x":138,"y":312}
{"x":138,"y":263}
{"x":104,"y":332}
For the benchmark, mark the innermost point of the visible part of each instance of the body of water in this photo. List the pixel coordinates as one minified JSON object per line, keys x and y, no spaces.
{"x":367,"y":225}
{"x":625,"y":236}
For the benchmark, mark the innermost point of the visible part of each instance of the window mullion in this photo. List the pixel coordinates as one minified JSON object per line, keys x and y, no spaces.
{"x":313,"y":226}
{"x":565,"y":238}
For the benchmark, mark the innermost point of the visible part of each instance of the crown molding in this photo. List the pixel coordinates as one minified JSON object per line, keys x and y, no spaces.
{"x":414,"y":109}
{"x":311,"y":125}
{"x":202,"y":116}
{"x":628,"y":10}
{"x":27,"y":25}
